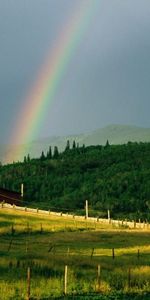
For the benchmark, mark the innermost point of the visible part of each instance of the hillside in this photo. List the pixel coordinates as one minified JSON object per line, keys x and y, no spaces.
{"x":115,"y":177}
{"x":116,"y":134}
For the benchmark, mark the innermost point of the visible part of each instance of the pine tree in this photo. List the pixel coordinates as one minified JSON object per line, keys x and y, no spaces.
{"x":28,"y":158}
{"x":83,"y":148}
{"x":67,"y":146}
{"x":42,"y":157}
{"x":74,"y":145}
{"x":49,"y":153}
{"x":56,"y":152}
{"x":107,"y":144}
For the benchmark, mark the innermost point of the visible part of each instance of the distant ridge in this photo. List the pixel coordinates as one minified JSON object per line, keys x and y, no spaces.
{"x":116,"y":134}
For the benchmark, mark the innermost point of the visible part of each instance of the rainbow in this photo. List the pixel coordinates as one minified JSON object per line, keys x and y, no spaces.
{"x":48,"y":80}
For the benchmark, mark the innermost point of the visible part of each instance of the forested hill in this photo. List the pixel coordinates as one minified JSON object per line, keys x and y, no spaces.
{"x":111,"y":176}
{"x":116,"y":134}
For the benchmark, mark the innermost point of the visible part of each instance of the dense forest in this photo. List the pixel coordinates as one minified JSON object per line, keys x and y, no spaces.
{"x":115,"y":177}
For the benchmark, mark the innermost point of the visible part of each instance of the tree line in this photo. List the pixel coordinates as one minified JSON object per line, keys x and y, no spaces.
{"x":115,"y":177}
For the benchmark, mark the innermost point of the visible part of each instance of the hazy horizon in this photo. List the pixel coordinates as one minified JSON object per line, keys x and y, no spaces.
{"x":110,"y":127}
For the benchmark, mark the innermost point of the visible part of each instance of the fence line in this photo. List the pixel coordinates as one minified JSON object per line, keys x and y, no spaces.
{"x":119,"y":223}
{"x":126,"y":282}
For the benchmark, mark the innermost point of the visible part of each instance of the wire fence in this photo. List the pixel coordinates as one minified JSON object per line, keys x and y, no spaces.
{"x":67,"y":271}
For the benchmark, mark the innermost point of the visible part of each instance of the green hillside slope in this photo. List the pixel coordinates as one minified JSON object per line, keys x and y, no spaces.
{"x":115,"y":177}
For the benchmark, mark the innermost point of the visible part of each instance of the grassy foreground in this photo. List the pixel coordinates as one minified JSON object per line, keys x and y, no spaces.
{"x":103,"y":262}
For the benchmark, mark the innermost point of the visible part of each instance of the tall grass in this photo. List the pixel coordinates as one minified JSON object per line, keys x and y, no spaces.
{"x":47,"y":244}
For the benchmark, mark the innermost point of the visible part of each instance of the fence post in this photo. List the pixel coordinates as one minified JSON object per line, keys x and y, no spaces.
{"x":22,"y":190}
{"x":113,"y":253}
{"x":92,"y":253}
{"x":68,"y":251}
{"x":139,"y":223}
{"x":98,"y":277}
{"x":86,"y":209}
{"x":108,"y":216}
{"x":28,"y":283}
{"x":138,"y":254}
{"x":41,"y":229}
{"x":65,"y":280}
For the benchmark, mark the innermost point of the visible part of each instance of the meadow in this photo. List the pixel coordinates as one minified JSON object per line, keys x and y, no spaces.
{"x":103,"y":261}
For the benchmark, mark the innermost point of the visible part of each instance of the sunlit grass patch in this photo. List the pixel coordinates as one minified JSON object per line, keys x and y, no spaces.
{"x":47,"y":244}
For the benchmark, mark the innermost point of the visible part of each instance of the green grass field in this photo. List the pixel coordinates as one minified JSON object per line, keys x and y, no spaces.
{"x":47,"y":243}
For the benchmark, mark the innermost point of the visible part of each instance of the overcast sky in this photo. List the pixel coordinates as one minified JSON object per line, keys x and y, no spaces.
{"x":107,"y":80}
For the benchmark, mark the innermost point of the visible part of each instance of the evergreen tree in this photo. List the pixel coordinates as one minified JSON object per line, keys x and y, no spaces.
{"x":83,"y":148}
{"x":28,"y":158}
{"x":49,"y":153}
{"x":107,"y":144}
{"x":74,"y":145}
{"x":56,"y":152}
{"x":67,"y":146}
{"x":42,"y":157}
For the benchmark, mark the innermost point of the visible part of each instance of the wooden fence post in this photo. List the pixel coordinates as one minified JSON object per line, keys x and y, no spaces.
{"x":113,"y":253}
{"x":22,"y":189}
{"x":65,"y":280}
{"x":86,"y":209}
{"x":28,"y":283}
{"x":139,"y":223}
{"x":108,"y":212}
{"x":92,"y":253}
{"x":99,"y":277}
{"x":138,"y":254}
